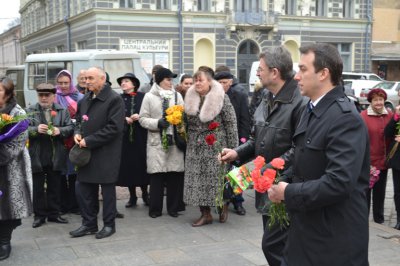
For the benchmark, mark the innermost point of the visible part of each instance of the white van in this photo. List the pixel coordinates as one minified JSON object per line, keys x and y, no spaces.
{"x":253,"y":74}
{"x":41,"y":68}
{"x":16,"y":73}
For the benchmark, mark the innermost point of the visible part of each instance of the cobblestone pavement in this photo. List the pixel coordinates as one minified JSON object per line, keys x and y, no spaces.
{"x":141,"y":240}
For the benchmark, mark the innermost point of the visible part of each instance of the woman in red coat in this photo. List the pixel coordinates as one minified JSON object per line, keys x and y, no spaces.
{"x":376,"y":117}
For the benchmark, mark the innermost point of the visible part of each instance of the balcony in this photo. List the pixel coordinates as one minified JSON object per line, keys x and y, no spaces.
{"x":252,"y":18}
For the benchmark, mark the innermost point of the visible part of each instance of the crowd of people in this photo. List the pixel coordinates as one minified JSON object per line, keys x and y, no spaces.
{"x":56,"y":165}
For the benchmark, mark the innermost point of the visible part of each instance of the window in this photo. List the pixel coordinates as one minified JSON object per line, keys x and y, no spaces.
{"x":37,"y":72}
{"x":347,"y":8}
{"x":163,"y":4}
{"x":126,"y":3}
{"x":247,"y":5}
{"x":82,"y":45}
{"x":115,"y":67}
{"x":290,"y":7}
{"x":203,"y":5}
{"x":321,"y":8}
{"x":345,"y":52}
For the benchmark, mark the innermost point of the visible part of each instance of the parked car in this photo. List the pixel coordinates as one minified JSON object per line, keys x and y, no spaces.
{"x":358,"y":84}
{"x":392,"y":89}
{"x":362,"y":76}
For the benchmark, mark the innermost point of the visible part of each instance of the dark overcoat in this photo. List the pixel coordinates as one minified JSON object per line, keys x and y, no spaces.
{"x":38,"y":142}
{"x":327,"y":200}
{"x":133,"y":170}
{"x":241,"y":105}
{"x":390,"y":133}
{"x":103,"y":135}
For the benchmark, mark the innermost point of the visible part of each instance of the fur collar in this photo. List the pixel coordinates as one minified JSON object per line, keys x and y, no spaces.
{"x":213,"y":102}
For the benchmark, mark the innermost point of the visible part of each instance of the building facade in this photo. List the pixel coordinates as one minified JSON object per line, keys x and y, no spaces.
{"x":385,"y":53}
{"x":10,"y":49}
{"x":185,"y":34}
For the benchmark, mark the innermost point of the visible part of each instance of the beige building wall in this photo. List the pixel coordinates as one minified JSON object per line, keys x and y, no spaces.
{"x":386,"y":25}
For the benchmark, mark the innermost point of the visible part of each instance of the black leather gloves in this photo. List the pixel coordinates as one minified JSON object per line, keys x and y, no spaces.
{"x":162,"y":123}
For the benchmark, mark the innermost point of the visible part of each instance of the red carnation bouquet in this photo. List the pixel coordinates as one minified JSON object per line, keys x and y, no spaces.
{"x":211,"y":140}
{"x":241,"y":178}
{"x":263,"y":182}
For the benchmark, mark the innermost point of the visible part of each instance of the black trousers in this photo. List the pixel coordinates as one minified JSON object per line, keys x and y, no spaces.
{"x":174,"y":184}
{"x":273,"y":242}
{"x":396,"y":188}
{"x":378,"y":197}
{"x":46,"y":201}
{"x":68,"y":197}
{"x":6,"y":229}
{"x":87,"y":195}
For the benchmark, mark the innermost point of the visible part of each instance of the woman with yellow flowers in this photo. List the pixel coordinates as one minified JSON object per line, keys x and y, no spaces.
{"x":165,"y":160}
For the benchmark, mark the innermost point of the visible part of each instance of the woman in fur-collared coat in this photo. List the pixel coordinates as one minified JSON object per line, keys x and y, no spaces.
{"x":205,"y":103}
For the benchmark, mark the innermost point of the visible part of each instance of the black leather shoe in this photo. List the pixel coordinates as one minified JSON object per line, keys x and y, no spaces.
{"x":37,"y":222}
{"x":105,"y":232}
{"x":154,"y":214}
{"x":58,"y":220}
{"x":131,"y":203}
{"x":83,"y":230}
{"x":119,"y":215}
{"x":397,"y":226}
{"x":5,"y":250}
{"x":173,"y":214}
{"x":240,"y":210}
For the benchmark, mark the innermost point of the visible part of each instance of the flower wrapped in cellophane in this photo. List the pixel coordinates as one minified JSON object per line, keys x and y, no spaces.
{"x":251,"y":173}
{"x":12,"y":126}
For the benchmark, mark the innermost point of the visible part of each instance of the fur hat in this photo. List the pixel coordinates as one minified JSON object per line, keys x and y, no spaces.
{"x":223,"y":75}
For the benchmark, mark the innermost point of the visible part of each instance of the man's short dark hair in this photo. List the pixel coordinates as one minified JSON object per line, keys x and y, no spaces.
{"x":279,"y":58}
{"x":326,"y":56}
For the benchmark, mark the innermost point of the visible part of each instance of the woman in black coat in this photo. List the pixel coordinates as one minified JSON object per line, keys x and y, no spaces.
{"x":133,"y":167}
{"x":394,"y":159}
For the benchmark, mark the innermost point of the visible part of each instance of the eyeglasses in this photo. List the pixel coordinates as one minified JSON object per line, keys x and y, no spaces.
{"x":259,"y":69}
{"x":44,"y":94}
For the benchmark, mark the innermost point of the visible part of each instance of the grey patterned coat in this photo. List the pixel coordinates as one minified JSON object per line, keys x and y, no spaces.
{"x":201,"y":165}
{"x":16,"y":176}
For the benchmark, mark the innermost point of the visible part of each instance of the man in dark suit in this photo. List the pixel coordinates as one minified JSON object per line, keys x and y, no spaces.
{"x":241,"y":106}
{"x":327,"y":197}
{"x":99,"y":128}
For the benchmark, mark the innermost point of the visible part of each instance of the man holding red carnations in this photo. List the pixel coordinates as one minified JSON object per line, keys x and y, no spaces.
{"x":275,"y":121}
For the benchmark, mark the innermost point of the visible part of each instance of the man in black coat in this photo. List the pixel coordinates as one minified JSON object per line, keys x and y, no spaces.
{"x":241,"y":105}
{"x":275,"y":121}
{"x":99,"y":128}
{"x":326,"y":200}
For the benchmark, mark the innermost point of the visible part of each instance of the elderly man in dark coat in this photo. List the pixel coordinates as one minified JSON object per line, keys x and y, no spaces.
{"x":50,"y":125}
{"x":99,"y":128}
{"x":326,"y":200}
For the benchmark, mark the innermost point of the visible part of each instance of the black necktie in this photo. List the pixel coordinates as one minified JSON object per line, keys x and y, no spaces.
{"x":310,"y":106}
